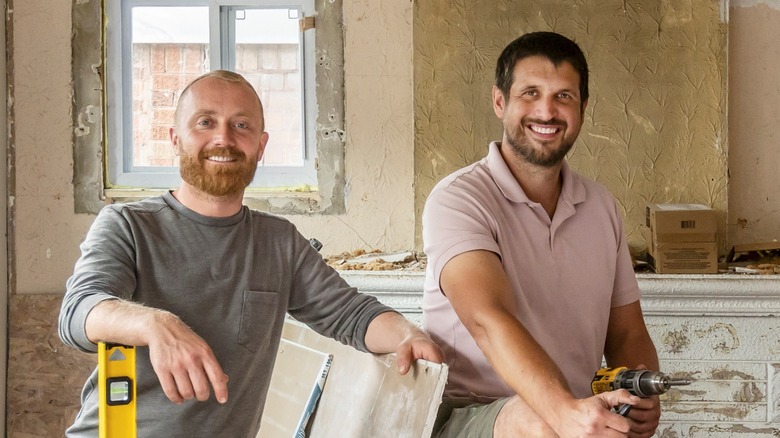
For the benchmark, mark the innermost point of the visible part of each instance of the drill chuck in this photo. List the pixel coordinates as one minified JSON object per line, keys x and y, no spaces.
{"x":642,"y":383}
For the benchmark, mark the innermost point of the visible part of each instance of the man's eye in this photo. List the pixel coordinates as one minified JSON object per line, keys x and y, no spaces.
{"x":204,"y":122}
{"x":241,"y":125}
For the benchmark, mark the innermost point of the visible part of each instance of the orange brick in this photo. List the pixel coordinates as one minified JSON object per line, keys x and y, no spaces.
{"x":157,"y":54}
{"x":174,"y":58}
{"x":163,"y":116}
{"x":167,"y":82}
{"x":162,"y":98}
{"x":195,"y":60}
{"x":160,"y":133}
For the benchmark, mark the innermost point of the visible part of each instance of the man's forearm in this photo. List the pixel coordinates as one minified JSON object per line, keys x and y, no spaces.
{"x":123,"y":322}
{"x":628,"y":342}
{"x":524,"y":365}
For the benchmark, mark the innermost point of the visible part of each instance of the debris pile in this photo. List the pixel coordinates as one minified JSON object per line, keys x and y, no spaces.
{"x":360,"y":260}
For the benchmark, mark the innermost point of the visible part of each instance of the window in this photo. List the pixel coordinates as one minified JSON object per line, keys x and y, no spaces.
{"x":154,"y":48}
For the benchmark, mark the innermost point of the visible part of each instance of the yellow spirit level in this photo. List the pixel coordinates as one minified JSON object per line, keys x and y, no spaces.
{"x":116,"y":391}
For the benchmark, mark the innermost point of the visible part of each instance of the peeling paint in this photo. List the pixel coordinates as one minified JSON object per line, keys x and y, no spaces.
{"x":668,"y":433}
{"x":729,"y":344}
{"x":740,"y":429}
{"x":676,"y":341}
{"x":727,"y":412}
{"x":725,"y":374}
{"x":749,"y":393}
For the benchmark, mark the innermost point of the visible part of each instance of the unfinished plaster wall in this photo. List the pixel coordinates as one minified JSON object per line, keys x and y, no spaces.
{"x":44,"y":231}
{"x":379,"y":133}
{"x":754,"y":109}
{"x":655,"y":125}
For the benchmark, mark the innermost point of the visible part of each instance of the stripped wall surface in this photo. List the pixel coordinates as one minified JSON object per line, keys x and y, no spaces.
{"x":655,"y":125}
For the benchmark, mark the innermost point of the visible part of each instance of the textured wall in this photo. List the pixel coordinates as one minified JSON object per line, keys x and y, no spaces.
{"x":655,"y":126}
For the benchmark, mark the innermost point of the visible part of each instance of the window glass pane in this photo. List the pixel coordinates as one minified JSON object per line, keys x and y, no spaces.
{"x":268,"y":55}
{"x":169,"y":49}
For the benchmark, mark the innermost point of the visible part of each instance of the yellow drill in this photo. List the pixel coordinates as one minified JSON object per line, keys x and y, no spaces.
{"x":641,"y":383}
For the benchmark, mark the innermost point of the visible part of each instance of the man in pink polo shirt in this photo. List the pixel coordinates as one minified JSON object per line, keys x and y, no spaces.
{"x":529,"y":282}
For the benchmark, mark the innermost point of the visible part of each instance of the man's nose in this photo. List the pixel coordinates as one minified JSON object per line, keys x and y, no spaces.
{"x":546,"y":108}
{"x":223,"y":135}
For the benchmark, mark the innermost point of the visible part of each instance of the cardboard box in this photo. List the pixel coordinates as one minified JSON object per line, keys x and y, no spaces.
{"x":681,"y":238}
{"x":682,"y":222}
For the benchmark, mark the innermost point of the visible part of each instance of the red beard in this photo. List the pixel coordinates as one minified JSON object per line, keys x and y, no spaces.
{"x":222,"y":180}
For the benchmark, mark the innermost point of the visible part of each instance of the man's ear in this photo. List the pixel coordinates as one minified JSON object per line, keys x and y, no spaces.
{"x":174,"y":141}
{"x":498,"y":102}
{"x":263,"y":143}
{"x":584,"y":105}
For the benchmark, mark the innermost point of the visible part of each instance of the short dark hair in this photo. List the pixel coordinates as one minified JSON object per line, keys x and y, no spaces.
{"x":555,"y":47}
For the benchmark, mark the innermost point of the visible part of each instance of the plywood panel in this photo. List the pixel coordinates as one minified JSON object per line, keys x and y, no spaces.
{"x":44,"y":376}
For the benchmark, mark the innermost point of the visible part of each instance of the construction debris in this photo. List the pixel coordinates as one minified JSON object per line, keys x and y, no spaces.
{"x":377,"y":260}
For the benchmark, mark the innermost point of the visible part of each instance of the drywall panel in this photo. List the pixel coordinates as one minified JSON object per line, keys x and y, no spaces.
{"x":365,"y":396}
{"x":296,"y":384}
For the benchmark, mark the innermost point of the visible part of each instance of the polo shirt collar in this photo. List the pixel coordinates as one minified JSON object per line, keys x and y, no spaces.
{"x":573,"y":189}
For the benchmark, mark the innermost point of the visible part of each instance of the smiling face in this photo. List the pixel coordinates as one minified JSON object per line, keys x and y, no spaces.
{"x":542,"y":113}
{"x":219,"y":136}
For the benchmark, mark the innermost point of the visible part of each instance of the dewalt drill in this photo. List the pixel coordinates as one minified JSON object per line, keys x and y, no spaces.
{"x":641,"y":383}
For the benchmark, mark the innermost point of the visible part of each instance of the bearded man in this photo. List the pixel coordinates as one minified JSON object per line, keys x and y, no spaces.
{"x":529,"y":281}
{"x":201,"y":284}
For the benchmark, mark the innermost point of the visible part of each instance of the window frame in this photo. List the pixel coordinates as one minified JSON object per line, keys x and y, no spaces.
{"x":120,"y":173}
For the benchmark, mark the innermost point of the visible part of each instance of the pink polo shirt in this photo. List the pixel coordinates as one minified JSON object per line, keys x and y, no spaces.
{"x":566,"y":273}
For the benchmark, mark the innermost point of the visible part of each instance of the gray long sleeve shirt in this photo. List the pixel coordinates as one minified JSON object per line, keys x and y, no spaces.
{"x":231,"y":280}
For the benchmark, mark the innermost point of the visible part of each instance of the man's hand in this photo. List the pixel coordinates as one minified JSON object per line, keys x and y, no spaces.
{"x":184,"y":363}
{"x":590,"y":417}
{"x":644,"y":417}
{"x":593,"y":416}
{"x":417,"y":346}
{"x":391,"y":332}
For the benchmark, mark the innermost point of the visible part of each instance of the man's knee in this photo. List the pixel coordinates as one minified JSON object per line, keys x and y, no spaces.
{"x":516,"y":418}
{"x":469,"y":420}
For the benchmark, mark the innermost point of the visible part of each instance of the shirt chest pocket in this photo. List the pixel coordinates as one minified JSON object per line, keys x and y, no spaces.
{"x":259,"y":315}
